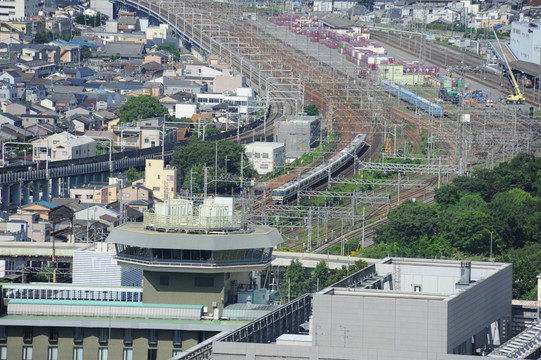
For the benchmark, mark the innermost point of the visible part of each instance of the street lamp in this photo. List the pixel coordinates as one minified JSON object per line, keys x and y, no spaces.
{"x":492,"y":232}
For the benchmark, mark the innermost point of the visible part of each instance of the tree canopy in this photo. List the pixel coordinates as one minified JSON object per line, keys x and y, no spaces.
{"x":311,"y":109}
{"x":141,"y":107}
{"x":193,"y":157}
{"x":170,"y":48}
{"x":503,"y":204}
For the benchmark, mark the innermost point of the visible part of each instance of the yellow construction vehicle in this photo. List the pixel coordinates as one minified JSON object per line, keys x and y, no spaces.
{"x":516,"y":97}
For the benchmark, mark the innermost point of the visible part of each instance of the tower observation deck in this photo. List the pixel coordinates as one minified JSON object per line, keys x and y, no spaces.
{"x":195,"y":253}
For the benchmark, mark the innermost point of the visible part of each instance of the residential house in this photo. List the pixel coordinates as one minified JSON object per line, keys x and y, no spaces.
{"x":63,"y":146}
{"x":128,"y":22}
{"x":157,"y":32}
{"x":159,"y":57}
{"x":172,"y":86}
{"x":224,"y":83}
{"x":8,"y":93}
{"x":37,"y":229}
{"x":29,"y":120}
{"x":15,"y":133}
{"x":95,"y":194}
{"x":164,"y":181}
{"x":42,"y":208}
{"x":101,"y":213}
{"x":11,"y":77}
{"x":7,"y":118}
{"x":34,"y":93}
{"x":125,"y":50}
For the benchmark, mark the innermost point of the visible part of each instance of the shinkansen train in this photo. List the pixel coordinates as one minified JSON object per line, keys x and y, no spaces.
{"x":312,"y":177}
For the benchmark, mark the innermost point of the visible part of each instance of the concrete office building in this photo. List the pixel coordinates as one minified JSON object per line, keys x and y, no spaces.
{"x":265,"y":157}
{"x":20,"y":9}
{"x":396,"y":309}
{"x":196,"y":261}
{"x":525,"y":42}
{"x":300,"y":134}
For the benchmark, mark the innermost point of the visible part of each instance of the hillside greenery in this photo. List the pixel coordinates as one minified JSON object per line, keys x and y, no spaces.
{"x":504,"y":203}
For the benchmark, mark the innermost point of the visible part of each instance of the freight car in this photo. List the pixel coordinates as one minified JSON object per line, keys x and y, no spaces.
{"x":312,"y":177}
{"x":413,"y":99}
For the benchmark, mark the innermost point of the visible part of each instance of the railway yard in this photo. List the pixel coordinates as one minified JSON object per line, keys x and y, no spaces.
{"x":407,"y":153}
{"x":340,"y":213}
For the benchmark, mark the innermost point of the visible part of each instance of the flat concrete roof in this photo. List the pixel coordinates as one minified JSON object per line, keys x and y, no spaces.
{"x":134,"y":234}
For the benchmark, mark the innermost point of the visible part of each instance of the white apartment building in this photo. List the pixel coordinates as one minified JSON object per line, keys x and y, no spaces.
{"x":18,"y":9}
{"x":63,"y":146}
{"x":265,"y":156}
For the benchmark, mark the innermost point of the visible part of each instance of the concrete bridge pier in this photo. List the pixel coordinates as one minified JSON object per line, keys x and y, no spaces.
{"x":55,"y":187}
{"x":66,"y":182}
{"x":26,"y":193}
{"x":15,"y":190}
{"x":45,"y":190}
{"x":36,"y":188}
{"x":6,"y":196}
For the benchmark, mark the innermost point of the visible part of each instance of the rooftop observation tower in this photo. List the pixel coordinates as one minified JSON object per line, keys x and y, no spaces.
{"x":191,"y":253}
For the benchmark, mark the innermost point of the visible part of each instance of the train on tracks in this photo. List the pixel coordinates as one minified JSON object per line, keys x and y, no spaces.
{"x":289,"y":190}
{"x":412,"y":99}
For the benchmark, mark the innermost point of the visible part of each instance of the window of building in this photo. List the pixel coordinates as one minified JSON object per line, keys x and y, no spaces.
{"x":158,"y":176}
{"x":126,"y":195}
{"x":90,"y":196}
{"x":257,"y":155}
{"x":52,"y":354}
{"x":164,"y":280}
{"x":27,"y":352}
{"x":28,"y":335}
{"x":77,"y":196}
{"x":103,"y":354}
{"x":3,"y":352}
{"x":53,"y":335}
{"x":177,"y":338}
{"x":3,"y":333}
{"x":128,"y":338}
{"x":152,"y":337}
{"x":265,"y":155}
{"x":263,"y":166}
{"x":103,"y":336}
{"x":417,"y":288}
{"x":78,"y":335}
{"x":147,"y":140}
{"x":127,"y":354}
{"x":77,"y":353}
{"x":152,"y":354}
{"x":156,"y":188}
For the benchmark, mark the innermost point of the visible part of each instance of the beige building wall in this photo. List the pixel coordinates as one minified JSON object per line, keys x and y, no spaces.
{"x":115,"y":345}
{"x":157,"y":32}
{"x":209,"y":296}
{"x":162,"y":181}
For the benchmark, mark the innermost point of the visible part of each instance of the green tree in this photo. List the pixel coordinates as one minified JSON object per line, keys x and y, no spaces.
{"x":85,"y":52}
{"x":367,"y":3}
{"x":141,"y":107}
{"x":296,"y":281}
{"x":132,"y":174}
{"x":319,"y":276}
{"x":197,"y":154}
{"x":42,"y":38}
{"x":407,"y":223}
{"x":170,"y":48}
{"x":311,"y":109}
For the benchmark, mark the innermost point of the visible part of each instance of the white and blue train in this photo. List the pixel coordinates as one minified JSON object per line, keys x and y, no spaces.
{"x":412,"y":99}
{"x":312,"y":177}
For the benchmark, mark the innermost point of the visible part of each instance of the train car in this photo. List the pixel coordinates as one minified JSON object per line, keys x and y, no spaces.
{"x":312,"y":177}
{"x":414,"y":100}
